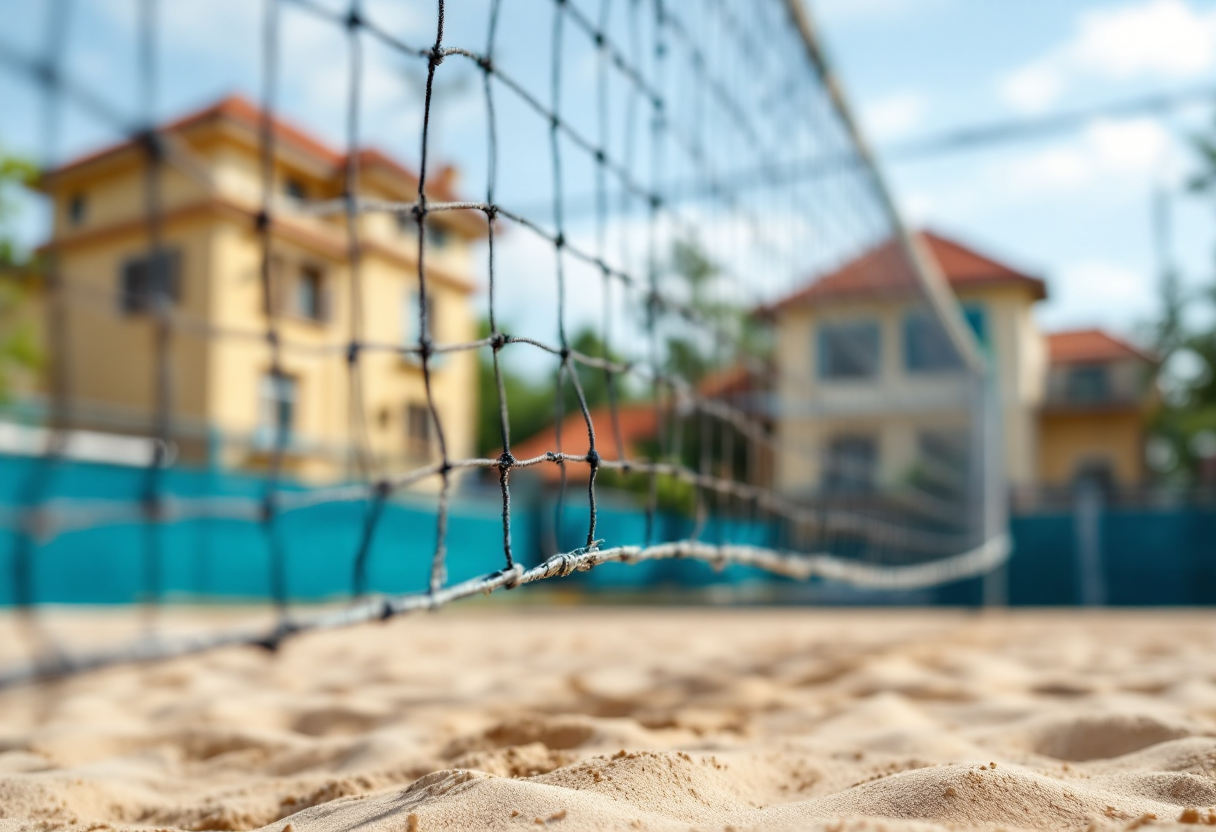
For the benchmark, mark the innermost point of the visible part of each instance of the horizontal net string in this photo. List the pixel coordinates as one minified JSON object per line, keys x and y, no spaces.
{"x":969,"y":563}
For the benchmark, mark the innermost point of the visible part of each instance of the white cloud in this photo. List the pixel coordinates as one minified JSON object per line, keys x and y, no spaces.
{"x":1106,"y":152}
{"x":1032,"y":88}
{"x":1097,"y":293}
{"x":1167,"y":39}
{"x":1163,"y":37}
{"x":893,"y":116}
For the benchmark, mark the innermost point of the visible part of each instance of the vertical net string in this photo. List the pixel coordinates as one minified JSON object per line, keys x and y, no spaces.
{"x":497,"y":339}
{"x":158,"y":293}
{"x":360,"y":452}
{"x":271,"y":302}
{"x":439,"y":559}
{"x":37,"y":486}
{"x":565,"y":368}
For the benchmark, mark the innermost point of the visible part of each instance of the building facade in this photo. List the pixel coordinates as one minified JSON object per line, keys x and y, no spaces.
{"x":869,"y":388}
{"x":225,"y":401}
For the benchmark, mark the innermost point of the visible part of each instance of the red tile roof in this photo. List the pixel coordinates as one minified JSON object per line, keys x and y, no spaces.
{"x":637,"y":424}
{"x":885,"y":271}
{"x":1086,"y":346}
{"x":237,"y":108}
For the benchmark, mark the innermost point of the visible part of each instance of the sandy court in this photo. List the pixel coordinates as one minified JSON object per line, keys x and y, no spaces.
{"x":500,"y":718}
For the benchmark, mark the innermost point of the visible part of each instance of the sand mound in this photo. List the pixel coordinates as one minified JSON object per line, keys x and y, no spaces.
{"x":627,"y":720}
{"x":1081,"y":738}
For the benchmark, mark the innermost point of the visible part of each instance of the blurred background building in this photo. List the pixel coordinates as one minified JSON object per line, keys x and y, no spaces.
{"x":226,"y":398}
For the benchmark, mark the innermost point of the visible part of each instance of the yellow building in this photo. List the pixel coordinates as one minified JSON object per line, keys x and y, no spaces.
{"x":1099,"y":397}
{"x":869,"y":387}
{"x":224,"y":399}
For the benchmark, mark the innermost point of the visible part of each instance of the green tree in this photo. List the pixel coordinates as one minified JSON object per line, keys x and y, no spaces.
{"x":18,"y":337}
{"x":1186,"y":424}
{"x":531,"y":400}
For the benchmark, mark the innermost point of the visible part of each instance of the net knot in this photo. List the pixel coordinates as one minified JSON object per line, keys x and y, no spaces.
{"x":151,"y":143}
{"x":352,"y":352}
{"x":273,"y":640}
{"x":559,"y":241}
{"x":505,"y":461}
{"x":486,"y":64}
{"x":599,"y":39}
{"x":153,"y":507}
{"x":436,"y":56}
{"x":593,"y":459}
{"x":382,"y":489}
{"x":498,"y":341}
{"x":47,"y":74}
{"x":266,"y":509}
{"x":564,"y":353}
{"x":491,"y":212}
{"x":353,"y":19}
{"x":511,"y":576}
{"x":261,"y":220}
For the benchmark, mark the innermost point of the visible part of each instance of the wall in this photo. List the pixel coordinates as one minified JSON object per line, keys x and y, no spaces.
{"x":110,"y":357}
{"x":1148,"y":556}
{"x":1070,"y":438}
{"x":899,"y":404}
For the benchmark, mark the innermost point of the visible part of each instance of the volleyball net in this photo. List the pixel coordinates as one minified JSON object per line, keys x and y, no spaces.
{"x":670,"y":280}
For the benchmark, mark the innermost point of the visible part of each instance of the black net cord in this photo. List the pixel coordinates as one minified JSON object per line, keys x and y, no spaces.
{"x":438,"y":561}
{"x":158,"y":293}
{"x":273,"y":294}
{"x":37,"y":485}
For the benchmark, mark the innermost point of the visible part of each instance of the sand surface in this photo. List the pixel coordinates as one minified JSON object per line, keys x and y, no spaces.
{"x":638,"y":719}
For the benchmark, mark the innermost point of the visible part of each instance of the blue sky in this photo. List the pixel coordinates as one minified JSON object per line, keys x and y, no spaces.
{"x":1074,"y":208}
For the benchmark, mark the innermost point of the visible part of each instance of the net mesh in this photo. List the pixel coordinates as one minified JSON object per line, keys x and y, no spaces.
{"x":679,"y":227}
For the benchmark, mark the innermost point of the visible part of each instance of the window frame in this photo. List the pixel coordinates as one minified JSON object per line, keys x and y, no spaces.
{"x":824,"y":330}
{"x":77,"y":209}
{"x":928,"y":362}
{"x":295,"y":188}
{"x":1077,"y":393}
{"x":272,"y":388}
{"x":835,"y":481}
{"x":315,"y":274}
{"x":418,"y":415}
{"x":134,"y":295}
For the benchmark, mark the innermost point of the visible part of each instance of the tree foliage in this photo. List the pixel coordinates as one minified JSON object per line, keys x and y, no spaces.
{"x":1184,"y":336}
{"x":18,"y":337}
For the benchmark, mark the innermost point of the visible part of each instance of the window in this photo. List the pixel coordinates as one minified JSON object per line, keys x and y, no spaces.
{"x":145,"y":278}
{"x":436,"y":237}
{"x":849,"y":350}
{"x":1094,"y":472}
{"x":943,"y":464}
{"x":418,"y":428}
{"x":927,"y":347}
{"x":1087,"y":384}
{"x":295,"y":189}
{"x":977,"y":319}
{"x":277,"y":398}
{"x":850,"y":464}
{"x":77,"y":206}
{"x":409,"y":317}
{"x":311,"y":296}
